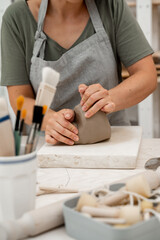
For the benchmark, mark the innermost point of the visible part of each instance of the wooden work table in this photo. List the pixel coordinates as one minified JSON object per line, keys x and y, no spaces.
{"x":85,"y":179}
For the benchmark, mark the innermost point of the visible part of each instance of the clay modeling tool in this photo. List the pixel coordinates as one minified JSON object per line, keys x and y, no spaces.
{"x":20,"y":101}
{"x":7,"y":144}
{"x":47,"y":88}
{"x":37,"y":116}
{"x":43,"y":190}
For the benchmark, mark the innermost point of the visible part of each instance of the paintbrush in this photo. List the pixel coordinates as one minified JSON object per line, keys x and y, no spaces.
{"x":47,"y":88}
{"x":45,"y":96}
{"x":24,"y":112}
{"x":7,"y":145}
{"x":35,"y":142}
{"x":43,"y":113}
{"x":37,"y":116}
{"x":20,"y":101}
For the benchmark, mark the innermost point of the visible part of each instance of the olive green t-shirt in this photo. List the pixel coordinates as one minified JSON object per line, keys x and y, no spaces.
{"x":19,"y":27}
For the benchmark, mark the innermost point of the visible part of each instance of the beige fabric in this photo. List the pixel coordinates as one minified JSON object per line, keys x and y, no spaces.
{"x":92,"y":130}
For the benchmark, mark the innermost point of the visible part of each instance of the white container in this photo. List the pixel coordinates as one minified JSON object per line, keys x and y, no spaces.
{"x":17,"y":185}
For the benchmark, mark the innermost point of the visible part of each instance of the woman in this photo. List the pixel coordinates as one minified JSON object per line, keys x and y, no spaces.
{"x":85,"y":41}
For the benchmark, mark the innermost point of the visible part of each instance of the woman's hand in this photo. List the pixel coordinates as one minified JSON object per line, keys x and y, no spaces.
{"x":60,"y":129}
{"x":95,"y":98}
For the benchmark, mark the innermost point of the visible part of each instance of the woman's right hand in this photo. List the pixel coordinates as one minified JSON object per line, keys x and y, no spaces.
{"x":59,"y":127}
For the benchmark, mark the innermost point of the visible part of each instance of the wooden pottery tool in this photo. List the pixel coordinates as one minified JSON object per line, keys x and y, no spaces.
{"x":43,"y":190}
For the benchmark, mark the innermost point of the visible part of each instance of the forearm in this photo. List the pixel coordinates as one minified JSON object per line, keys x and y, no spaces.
{"x":131,"y":91}
{"x":141,"y":83}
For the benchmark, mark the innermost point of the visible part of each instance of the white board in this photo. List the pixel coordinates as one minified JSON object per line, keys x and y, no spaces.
{"x":120,"y":151}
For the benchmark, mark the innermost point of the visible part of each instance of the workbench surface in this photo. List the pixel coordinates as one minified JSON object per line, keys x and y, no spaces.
{"x":86,"y":179}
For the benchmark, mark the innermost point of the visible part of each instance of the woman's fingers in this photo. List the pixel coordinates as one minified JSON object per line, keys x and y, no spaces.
{"x":65,"y":132}
{"x":50,"y":139}
{"x":62,"y":119}
{"x":106,"y":105}
{"x":68,"y":114}
{"x":82,"y":88}
{"x":60,"y":138}
{"x":95,"y":108}
{"x":59,"y":129}
{"x":94,"y":98}
{"x":110,"y":107}
{"x":90,"y":91}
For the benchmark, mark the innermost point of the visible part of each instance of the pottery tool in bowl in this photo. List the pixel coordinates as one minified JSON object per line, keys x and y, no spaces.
{"x":7,"y":146}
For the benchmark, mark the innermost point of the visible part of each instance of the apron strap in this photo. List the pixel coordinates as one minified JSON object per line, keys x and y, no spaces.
{"x":42,"y":14}
{"x":39,"y":45}
{"x":94,"y":15}
{"x":40,"y":37}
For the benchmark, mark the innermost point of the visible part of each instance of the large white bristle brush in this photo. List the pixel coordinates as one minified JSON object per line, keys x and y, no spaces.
{"x":47,"y":88}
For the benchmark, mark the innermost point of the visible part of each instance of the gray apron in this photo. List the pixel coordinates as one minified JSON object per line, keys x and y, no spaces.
{"x":91,"y":61}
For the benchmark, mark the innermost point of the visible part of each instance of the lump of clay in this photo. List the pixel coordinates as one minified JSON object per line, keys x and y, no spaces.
{"x":91,"y":130}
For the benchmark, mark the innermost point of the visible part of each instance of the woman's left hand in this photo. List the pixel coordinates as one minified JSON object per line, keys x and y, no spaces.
{"x":95,"y":98}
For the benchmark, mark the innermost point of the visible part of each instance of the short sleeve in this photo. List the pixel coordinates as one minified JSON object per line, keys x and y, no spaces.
{"x":130,"y":40}
{"x":12,"y":54}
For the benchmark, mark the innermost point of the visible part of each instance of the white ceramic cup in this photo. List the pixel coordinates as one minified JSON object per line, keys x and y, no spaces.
{"x":17,"y":185}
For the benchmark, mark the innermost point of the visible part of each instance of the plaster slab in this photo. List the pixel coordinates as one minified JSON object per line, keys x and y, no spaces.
{"x":120,"y":151}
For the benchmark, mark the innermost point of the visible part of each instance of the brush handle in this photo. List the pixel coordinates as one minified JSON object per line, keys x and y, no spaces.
{"x":17,"y":138}
{"x":40,"y":125}
{"x":31,"y":138}
{"x":28,"y":148}
{"x":17,"y":120}
{"x":21,"y":127}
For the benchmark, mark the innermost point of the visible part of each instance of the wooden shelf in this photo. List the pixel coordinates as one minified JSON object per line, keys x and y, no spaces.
{"x":133,"y":3}
{"x":156,"y":58}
